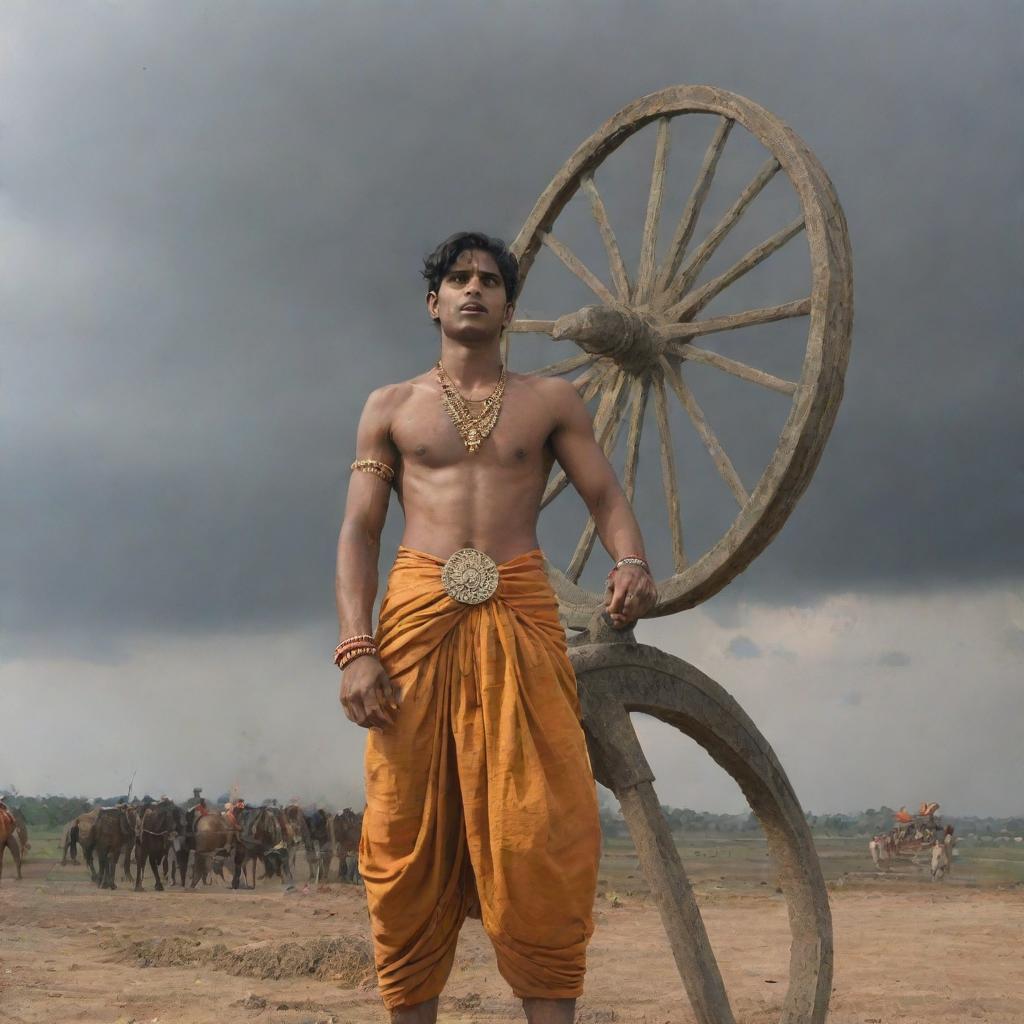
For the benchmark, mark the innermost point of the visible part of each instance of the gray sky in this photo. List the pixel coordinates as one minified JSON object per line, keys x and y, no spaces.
{"x":213,"y":218}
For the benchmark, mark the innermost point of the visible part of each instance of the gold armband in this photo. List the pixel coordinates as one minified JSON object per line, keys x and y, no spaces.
{"x":381,"y":469}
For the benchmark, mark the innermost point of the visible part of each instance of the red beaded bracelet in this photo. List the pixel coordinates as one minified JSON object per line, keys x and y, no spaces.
{"x":362,"y":639}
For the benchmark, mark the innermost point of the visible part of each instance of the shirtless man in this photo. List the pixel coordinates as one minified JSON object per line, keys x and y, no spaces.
{"x":461,"y":694}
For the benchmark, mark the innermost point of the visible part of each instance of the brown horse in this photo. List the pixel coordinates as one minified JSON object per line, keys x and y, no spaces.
{"x":213,"y":832}
{"x":346,"y":829}
{"x":299,"y":835}
{"x":134,"y":814}
{"x":77,"y":832}
{"x":319,"y":826}
{"x":183,"y":845}
{"x":22,"y":830}
{"x":9,"y":839}
{"x":114,"y":828}
{"x":266,"y":835}
{"x":160,"y":824}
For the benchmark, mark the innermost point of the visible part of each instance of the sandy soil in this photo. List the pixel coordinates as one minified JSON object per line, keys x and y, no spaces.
{"x":69,"y":952}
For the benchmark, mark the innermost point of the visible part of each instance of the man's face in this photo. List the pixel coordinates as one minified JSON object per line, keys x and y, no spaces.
{"x":471,"y":298}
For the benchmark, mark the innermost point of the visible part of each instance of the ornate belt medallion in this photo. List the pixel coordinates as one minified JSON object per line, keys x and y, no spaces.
{"x":470,"y":576}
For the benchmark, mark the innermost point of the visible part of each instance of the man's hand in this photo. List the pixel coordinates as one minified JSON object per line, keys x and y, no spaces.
{"x":629,"y":594}
{"x":367,"y":694}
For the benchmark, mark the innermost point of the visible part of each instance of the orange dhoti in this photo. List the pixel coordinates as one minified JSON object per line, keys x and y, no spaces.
{"x":481,"y":792}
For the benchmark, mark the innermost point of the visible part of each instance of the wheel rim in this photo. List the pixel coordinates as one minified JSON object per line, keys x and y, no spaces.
{"x":617,"y":678}
{"x":636,"y":342}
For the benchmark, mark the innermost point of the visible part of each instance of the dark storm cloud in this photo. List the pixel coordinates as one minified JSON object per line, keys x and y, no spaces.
{"x":214,"y":215}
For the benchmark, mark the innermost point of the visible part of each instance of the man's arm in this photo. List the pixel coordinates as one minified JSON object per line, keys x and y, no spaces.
{"x":590,"y":472}
{"x":366,"y":692}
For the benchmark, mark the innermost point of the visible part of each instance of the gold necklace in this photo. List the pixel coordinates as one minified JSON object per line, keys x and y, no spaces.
{"x":472,"y":427}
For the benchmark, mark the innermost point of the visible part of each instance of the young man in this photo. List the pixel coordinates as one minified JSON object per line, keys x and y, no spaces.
{"x":480,"y":798}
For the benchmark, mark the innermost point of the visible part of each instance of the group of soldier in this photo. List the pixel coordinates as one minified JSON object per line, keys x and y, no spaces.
{"x":171,"y":837}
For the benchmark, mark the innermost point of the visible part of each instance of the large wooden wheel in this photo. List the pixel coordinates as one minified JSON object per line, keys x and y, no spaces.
{"x":637,"y":340}
{"x":616,"y":676}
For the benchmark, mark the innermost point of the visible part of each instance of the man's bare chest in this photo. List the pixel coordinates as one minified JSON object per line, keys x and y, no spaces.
{"x":424,"y":433}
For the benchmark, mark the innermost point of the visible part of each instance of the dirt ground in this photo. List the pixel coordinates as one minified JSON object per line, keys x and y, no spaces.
{"x":905,"y":952}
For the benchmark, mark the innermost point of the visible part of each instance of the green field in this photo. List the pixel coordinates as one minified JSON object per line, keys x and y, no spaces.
{"x":716,"y":862}
{"x":742,"y":863}
{"x":45,"y":843}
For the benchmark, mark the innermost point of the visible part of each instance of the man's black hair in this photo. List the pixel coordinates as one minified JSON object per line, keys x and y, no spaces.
{"x":440,"y":261}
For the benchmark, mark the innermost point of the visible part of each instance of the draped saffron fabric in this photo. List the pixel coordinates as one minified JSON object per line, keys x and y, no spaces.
{"x":480,"y":798}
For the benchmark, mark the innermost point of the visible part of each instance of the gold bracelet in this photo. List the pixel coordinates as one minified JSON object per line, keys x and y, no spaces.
{"x":381,"y":469}
{"x":631,"y":560}
{"x":358,"y":652}
{"x":348,"y":655}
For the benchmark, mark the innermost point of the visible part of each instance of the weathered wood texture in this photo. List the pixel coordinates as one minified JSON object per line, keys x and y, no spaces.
{"x":643,"y":331}
{"x":615,"y":676}
{"x":637,"y":341}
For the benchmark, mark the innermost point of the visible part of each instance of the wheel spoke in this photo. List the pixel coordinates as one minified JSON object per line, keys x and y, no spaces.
{"x":581,"y":381}
{"x":608,"y":441}
{"x":618,"y":268}
{"x":609,"y":412}
{"x":764,"y":315}
{"x":694,"y":205}
{"x":564,"y":366}
{"x":668,"y":474}
{"x":531,"y":326}
{"x":592,"y":378}
{"x":697,"y":300}
{"x":638,"y":406}
{"x":707,"y":435}
{"x":605,"y":411}
{"x":649,"y":245}
{"x":661,"y":864}
{"x":681,"y":285}
{"x":737,"y":369}
{"x":584,"y":548}
{"x":575,"y":264}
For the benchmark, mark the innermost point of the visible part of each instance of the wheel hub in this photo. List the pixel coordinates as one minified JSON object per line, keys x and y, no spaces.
{"x":621,"y":333}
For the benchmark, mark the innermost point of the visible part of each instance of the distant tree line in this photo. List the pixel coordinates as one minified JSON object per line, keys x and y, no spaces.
{"x":47,"y":811}
{"x":862,"y":823}
{"x":680,"y":820}
{"x":52,"y":811}
{"x":873,"y":822}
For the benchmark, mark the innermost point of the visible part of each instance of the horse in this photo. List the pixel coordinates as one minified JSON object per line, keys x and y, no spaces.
{"x":346,"y":829}
{"x":77,"y":832}
{"x":158,"y":827}
{"x":265,"y":836}
{"x":299,"y":828}
{"x":9,"y":840}
{"x":21,"y":827}
{"x":182,"y":845}
{"x":115,"y":827}
{"x":318,"y":826}
{"x":213,"y":832}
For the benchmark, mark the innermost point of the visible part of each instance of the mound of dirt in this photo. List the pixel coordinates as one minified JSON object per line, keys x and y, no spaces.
{"x":345,"y":960}
{"x":176,"y":951}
